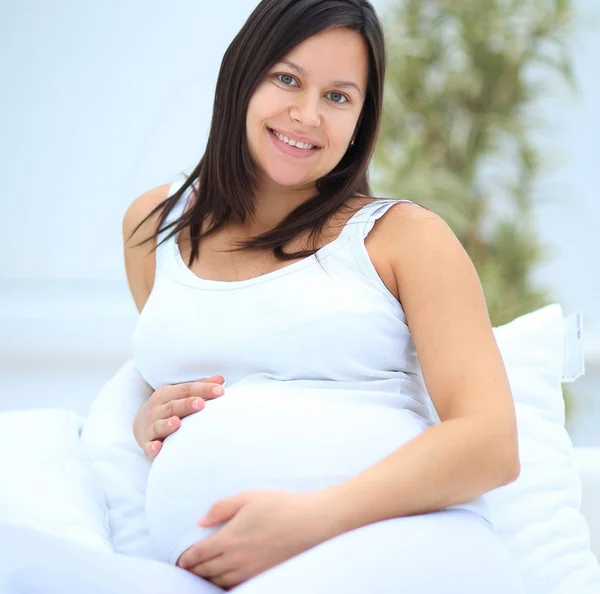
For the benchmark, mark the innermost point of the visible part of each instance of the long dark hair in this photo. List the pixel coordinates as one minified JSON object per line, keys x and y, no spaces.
{"x":225,"y":179}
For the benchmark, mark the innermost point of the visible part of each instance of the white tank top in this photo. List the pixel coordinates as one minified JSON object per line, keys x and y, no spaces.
{"x":322,"y":378}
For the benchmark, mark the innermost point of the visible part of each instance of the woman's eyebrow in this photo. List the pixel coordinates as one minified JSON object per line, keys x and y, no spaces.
{"x":335,"y":83}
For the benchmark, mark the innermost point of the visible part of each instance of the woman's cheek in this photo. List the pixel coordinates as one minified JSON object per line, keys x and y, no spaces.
{"x":340,"y":141}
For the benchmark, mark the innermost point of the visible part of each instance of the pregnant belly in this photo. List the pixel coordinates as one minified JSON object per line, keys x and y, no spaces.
{"x":255,"y":440}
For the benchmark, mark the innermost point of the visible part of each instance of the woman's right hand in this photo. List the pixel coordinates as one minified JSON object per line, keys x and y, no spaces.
{"x":161,"y":415}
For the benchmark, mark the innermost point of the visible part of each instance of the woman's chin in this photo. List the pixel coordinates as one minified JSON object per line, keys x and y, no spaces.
{"x":290,"y":180}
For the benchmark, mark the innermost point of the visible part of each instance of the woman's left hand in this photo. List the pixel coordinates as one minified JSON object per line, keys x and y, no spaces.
{"x":262,"y":529}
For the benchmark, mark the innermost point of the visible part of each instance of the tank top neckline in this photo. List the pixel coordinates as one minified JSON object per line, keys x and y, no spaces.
{"x":192,"y":279}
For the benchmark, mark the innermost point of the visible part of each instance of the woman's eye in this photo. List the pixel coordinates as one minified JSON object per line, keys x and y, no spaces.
{"x":337,"y":97}
{"x":287,"y":80}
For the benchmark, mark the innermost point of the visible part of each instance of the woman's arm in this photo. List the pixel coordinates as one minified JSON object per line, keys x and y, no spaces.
{"x":140,"y":260}
{"x":474,"y":449}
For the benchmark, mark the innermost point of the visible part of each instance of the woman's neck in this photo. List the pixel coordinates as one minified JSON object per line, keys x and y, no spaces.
{"x":271,"y":206}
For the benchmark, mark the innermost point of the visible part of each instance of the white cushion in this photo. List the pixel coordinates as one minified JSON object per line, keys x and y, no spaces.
{"x":539,"y":514}
{"x":119,"y":462}
{"x":45,"y":480}
{"x":587,"y":460}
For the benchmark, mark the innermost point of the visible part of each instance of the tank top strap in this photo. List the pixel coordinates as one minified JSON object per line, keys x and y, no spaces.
{"x":362,"y":221}
{"x":167,"y":248}
{"x":354,"y":253}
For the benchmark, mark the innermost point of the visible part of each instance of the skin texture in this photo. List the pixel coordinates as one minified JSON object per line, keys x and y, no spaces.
{"x":161,"y":415}
{"x":255,"y":534}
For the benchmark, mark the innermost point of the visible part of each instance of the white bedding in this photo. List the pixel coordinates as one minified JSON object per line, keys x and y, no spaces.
{"x":46,"y":481}
{"x":36,"y":562}
{"x":50,"y":481}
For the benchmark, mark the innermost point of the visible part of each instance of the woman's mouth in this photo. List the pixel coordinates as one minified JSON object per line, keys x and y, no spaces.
{"x":289,"y":146}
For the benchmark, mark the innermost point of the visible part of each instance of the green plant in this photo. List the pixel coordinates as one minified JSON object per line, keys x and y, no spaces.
{"x":457,"y":132}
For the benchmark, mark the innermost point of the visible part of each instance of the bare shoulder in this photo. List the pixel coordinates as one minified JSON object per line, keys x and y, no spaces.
{"x":401,"y":214}
{"x":431,"y":269}
{"x":140,"y":261}
{"x":139,"y":209}
{"x":414,"y":235}
{"x":410,"y":214}
{"x":396,"y":234}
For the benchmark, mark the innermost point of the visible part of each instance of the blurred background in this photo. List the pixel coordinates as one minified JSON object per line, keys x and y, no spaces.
{"x":491,"y":120}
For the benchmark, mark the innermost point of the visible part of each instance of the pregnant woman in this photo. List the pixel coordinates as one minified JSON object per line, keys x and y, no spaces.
{"x":361,"y":409}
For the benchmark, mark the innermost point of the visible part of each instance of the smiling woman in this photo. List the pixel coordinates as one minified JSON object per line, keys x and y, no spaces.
{"x":307,"y":71}
{"x":303,"y":93}
{"x":366,"y":409}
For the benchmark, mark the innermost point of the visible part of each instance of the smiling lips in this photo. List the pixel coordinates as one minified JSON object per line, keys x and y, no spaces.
{"x":291,"y":146}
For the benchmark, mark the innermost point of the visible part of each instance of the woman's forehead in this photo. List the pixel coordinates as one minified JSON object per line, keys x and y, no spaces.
{"x":336,"y":55}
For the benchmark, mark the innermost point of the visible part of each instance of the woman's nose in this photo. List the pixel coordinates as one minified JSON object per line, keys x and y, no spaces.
{"x":306,"y":110}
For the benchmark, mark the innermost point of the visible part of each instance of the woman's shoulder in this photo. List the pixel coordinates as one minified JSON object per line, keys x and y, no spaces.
{"x":136,"y":220}
{"x":411,"y":239}
{"x":138,"y":231}
{"x":421,"y":248}
{"x":407,"y":224}
{"x":400,"y":213}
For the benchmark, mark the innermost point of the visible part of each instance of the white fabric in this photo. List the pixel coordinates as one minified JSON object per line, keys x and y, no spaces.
{"x":323,"y":379}
{"x":539,"y":514}
{"x":587,"y":460}
{"x":35,"y":562}
{"x":118,"y":461}
{"x":450,"y":552}
{"x":45,"y":480}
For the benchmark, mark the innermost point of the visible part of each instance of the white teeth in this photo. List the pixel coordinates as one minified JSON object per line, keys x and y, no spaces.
{"x":292,"y":142}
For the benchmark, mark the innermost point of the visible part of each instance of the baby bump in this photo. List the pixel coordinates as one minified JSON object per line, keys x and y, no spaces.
{"x":254,"y":440}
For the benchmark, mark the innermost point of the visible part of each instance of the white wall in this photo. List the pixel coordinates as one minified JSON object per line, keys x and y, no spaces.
{"x":569,"y":212}
{"x":103,"y":100}
{"x":100,"y":101}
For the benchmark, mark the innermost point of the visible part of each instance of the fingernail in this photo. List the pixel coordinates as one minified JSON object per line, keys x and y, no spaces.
{"x":155,"y":446}
{"x":196,"y":404}
{"x":218,"y":391}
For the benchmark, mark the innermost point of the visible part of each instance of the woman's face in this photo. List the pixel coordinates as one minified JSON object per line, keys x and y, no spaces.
{"x":313,"y":96}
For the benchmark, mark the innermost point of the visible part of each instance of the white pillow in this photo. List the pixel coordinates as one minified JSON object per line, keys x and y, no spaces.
{"x":119,"y":462}
{"x":588,"y":468}
{"x":45,"y":481}
{"x":539,"y":515}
